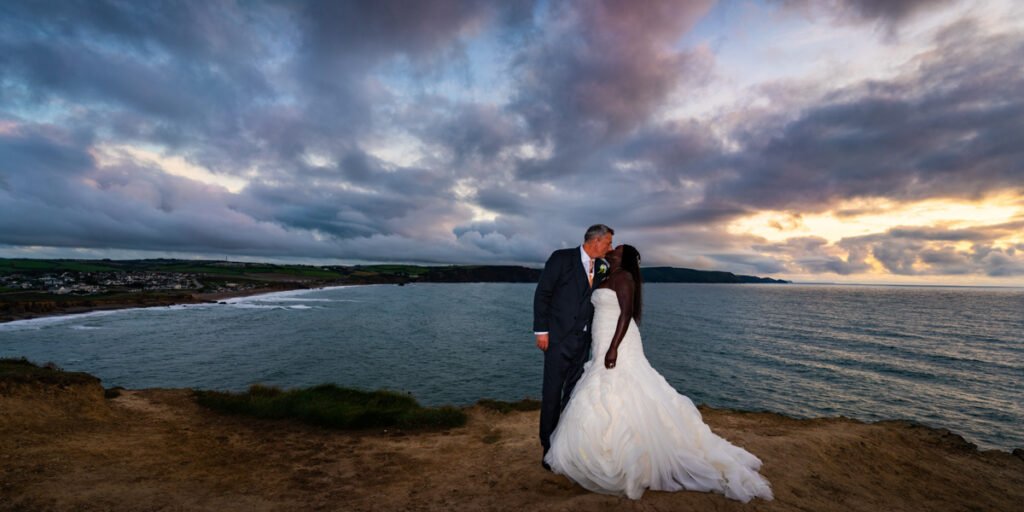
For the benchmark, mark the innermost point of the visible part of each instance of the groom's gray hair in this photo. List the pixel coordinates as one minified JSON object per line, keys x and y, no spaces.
{"x":597,"y":231}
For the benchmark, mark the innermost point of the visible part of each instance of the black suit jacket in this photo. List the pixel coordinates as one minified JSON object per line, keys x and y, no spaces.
{"x":561,"y":303}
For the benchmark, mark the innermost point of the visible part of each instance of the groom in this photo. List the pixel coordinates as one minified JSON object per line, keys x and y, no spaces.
{"x":561,"y":320}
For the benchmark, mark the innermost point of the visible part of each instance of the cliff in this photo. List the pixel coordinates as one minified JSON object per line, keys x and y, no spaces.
{"x":68,"y":448}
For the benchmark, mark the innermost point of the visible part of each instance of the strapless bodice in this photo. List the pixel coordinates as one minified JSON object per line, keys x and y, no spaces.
{"x":606,"y":317}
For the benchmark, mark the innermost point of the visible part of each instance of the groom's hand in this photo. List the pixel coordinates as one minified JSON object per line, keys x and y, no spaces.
{"x":610,"y":358}
{"x":542,"y":342}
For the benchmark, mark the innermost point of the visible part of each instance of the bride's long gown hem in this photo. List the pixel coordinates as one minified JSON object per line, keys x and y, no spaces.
{"x":626,"y":429}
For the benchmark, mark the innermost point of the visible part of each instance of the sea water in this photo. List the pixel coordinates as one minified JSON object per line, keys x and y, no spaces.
{"x":945,"y":356}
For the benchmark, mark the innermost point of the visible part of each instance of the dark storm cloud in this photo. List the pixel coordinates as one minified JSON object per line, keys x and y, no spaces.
{"x":197,"y":75}
{"x":57,"y":196}
{"x":677,"y":151}
{"x":366,"y":171}
{"x":38,"y":152}
{"x":339,"y":45}
{"x":174,"y":73}
{"x":199,"y":30}
{"x":237,"y":89}
{"x":975,"y":234}
{"x":887,"y":13}
{"x":601,"y":76}
{"x":468,"y":131}
{"x":502,"y":201}
{"x":336,"y":47}
{"x":759,"y":264}
{"x":948,"y":130}
{"x":930,"y":251}
{"x":948,"y":259}
{"x":192,"y":77}
{"x":812,"y":254}
{"x":361,"y":197}
{"x":344,"y":31}
{"x":890,"y":9}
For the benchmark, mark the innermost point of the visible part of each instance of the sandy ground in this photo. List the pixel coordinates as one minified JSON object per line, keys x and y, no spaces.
{"x":155,"y":449}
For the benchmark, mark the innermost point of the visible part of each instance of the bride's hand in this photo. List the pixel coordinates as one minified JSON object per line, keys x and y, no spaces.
{"x":610,"y":358}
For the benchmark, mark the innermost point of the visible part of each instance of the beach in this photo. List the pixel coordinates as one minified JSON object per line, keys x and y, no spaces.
{"x":69,"y":448}
{"x":92,"y":304}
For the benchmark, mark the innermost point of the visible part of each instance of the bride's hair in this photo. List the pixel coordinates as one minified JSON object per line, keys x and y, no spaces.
{"x":631,"y":263}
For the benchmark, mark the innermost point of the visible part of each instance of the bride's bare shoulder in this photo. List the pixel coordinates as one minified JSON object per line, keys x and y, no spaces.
{"x":620,"y":276}
{"x":617,"y":280}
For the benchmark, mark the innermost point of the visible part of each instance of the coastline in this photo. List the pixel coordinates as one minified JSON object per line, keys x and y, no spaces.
{"x":30,"y":289}
{"x":194,"y":298}
{"x":68,"y":447}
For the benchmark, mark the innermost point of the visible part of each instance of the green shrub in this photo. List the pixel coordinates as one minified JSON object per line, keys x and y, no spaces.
{"x":331,"y":406}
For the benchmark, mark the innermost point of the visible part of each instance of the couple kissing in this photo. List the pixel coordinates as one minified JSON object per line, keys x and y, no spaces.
{"x":609,"y":421}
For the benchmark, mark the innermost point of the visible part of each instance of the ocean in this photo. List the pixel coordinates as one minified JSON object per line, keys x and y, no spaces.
{"x":949,"y":357}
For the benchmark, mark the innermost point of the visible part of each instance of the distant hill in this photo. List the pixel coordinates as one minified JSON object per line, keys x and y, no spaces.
{"x":515,"y":274}
{"x":512,"y":274}
{"x":689,"y":275}
{"x":358,"y":274}
{"x":487,"y":274}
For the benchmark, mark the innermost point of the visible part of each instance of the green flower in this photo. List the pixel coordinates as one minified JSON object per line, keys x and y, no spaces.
{"x":602,"y":268}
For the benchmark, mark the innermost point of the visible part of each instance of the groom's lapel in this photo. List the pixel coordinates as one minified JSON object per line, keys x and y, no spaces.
{"x":581,"y":277}
{"x":598,"y":277}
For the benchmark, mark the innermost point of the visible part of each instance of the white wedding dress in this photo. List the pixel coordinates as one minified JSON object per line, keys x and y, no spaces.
{"x":627,"y":429}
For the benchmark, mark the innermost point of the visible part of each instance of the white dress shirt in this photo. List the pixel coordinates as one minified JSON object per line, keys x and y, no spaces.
{"x":586,"y":262}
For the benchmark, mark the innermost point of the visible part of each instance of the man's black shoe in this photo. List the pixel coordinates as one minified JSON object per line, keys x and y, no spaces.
{"x":545,"y":465}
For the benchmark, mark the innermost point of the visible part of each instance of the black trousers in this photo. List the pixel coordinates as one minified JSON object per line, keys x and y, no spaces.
{"x":563,"y":367}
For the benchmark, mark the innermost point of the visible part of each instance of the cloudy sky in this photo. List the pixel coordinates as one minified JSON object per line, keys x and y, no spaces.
{"x":815,"y":140}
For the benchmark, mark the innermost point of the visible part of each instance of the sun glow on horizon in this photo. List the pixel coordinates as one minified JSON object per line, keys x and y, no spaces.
{"x":864,"y":217}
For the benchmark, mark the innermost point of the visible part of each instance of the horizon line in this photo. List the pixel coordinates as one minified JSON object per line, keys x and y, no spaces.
{"x":787,"y":281}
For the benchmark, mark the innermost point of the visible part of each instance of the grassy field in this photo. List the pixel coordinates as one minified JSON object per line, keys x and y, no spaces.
{"x":409,"y":270}
{"x":304,"y":271}
{"x":12,"y":266}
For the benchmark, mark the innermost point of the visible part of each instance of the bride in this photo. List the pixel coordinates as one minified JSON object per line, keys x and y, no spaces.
{"x":626,"y":429}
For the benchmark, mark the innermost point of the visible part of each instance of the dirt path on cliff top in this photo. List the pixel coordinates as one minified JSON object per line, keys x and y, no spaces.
{"x":158,"y":450}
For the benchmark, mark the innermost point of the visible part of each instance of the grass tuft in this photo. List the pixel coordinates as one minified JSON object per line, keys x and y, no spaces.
{"x":526,"y":404}
{"x":331,"y":406}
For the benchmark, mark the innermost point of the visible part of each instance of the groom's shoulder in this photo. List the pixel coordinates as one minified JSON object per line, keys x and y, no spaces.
{"x":564,"y":253}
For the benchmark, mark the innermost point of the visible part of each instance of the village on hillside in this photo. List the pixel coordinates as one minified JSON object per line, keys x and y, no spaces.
{"x":94,"y":283}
